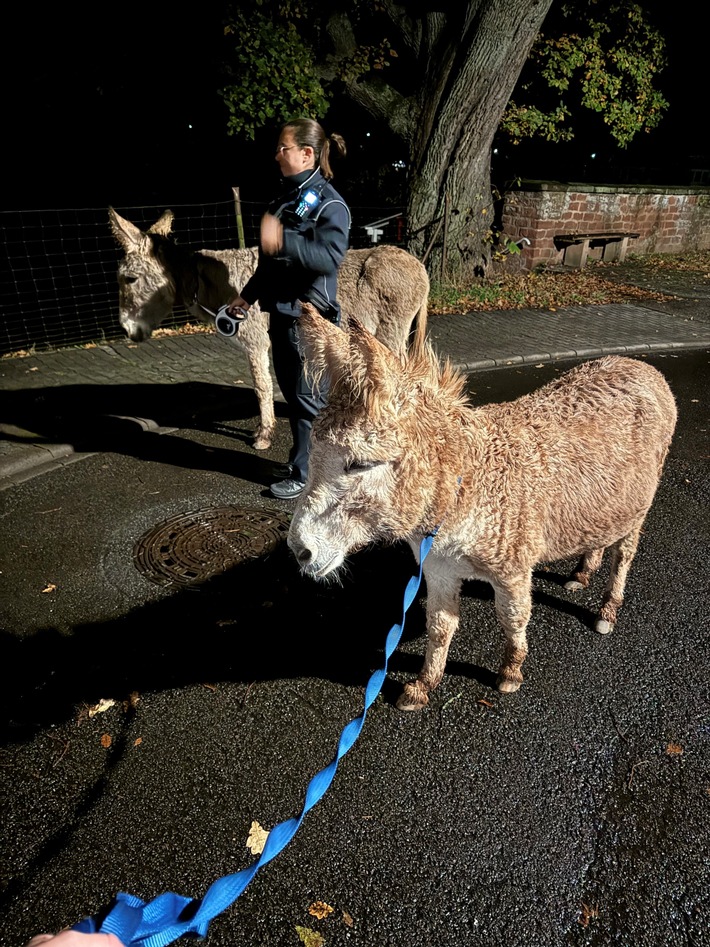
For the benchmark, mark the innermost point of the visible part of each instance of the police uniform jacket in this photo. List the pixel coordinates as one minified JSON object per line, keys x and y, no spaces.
{"x":306,"y":267}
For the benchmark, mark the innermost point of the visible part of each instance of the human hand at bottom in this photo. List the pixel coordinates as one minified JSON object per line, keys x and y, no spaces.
{"x":70,"y":938}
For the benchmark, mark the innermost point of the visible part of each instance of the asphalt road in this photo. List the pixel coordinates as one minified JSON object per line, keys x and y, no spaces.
{"x":574,"y":812}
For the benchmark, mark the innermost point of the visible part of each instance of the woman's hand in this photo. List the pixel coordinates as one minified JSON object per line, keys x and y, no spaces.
{"x":75,"y":939}
{"x":272,"y":234}
{"x":237,"y":303}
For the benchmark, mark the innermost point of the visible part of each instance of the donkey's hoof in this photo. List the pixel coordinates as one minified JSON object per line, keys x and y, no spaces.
{"x":261,"y":443}
{"x":506,"y":686}
{"x":413,"y":697}
{"x":603,"y":626}
{"x":574,"y":585}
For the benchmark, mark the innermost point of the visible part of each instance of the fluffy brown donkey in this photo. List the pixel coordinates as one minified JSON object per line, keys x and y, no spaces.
{"x":569,"y":470}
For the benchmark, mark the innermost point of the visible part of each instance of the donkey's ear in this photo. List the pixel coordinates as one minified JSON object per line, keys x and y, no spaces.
{"x":375,"y":371}
{"x":127,"y":234}
{"x":163,"y":225}
{"x":325,"y":346}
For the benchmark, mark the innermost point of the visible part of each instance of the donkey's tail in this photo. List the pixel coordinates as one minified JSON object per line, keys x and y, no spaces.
{"x":418,"y":331}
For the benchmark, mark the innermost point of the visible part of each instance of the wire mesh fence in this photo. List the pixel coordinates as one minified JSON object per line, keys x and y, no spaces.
{"x":58,"y":286}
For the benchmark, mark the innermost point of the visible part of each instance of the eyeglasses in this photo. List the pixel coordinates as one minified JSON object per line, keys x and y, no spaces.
{"x":280,"y":150}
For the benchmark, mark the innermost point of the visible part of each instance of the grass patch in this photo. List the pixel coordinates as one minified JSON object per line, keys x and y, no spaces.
{"x":598,"y":284}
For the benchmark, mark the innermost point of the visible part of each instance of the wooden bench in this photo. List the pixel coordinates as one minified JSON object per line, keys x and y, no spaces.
{"x":576,"y":246}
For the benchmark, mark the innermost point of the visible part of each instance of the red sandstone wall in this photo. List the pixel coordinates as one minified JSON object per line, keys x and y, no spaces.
{"x":670,"y":220}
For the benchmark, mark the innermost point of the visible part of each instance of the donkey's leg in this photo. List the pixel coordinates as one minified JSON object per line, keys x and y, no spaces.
{"x":264,"y":388}
{"x":513,"y":599}
{"x":586,"y":567}
{"x":253,"y":337}
{"x":622,"y":555}
{"x":442,"y":619}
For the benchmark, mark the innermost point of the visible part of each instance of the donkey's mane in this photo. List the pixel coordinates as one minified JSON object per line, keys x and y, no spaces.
{"x":419,"y":371}
{"x":361,"y":373}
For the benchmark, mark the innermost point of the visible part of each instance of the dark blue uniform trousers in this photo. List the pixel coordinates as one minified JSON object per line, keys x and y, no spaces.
{"x":303,"y":402}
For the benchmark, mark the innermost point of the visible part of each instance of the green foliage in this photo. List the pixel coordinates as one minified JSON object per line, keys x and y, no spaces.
{"x":271,"y":74}
{"x":364,"y":59}
{"x":528,"y":121}
{"x":610,"y":67}
{"x":272,"y":68}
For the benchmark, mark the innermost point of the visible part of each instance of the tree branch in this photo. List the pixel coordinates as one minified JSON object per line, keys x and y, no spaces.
{"x":372,"y":93}
{"x":409,"y":29}
{"x":385,"y":104}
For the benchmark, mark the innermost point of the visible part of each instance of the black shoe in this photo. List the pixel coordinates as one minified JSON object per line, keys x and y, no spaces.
{"x":287,"y":489}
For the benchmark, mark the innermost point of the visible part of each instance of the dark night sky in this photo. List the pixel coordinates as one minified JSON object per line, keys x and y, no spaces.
{"x":120,"y":107}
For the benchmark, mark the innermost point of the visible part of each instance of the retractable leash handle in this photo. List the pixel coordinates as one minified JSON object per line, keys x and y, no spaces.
{"x":159,"y":922}
{"x":226,"y":323}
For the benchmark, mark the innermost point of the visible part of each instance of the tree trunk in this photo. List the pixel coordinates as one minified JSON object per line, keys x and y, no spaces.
{"x":451,"y":162}
{"x":452,"y":214}
{"x":465,"y":60}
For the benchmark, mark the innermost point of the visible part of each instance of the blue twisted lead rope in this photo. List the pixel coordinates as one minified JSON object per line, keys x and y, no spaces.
{"x":170,"y":916}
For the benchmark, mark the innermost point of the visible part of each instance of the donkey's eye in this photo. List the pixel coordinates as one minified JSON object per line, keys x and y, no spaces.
{"x":358,"y":466}
{"x":131,"y":279}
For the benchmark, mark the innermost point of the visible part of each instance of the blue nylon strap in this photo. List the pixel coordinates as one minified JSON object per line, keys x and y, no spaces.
{"x":169,"y":916}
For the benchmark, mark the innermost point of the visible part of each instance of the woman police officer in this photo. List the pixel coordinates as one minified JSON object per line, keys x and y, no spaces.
{"x":304,"y":238}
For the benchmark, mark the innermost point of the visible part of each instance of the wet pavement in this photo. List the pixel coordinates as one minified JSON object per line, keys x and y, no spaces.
{"x":59,"y":405}
{"x":151,"y":714}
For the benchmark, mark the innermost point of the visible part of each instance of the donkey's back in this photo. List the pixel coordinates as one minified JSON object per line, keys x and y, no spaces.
{"x":582,"y":459}
{"x":387,"y":290}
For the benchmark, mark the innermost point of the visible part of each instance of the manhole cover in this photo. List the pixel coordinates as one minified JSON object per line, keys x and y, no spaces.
{"x":190,"y":548}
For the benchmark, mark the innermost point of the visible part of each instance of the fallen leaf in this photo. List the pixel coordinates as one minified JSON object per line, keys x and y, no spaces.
{"x":320,"y":909}
{"x":34,"y":368}
{"x":451,"y":700}
{"x":347,"y":918}
{"x":137,"y":741}
{"x":257,"y":839}
{"x":102,"y":706}
{"x":106,"y":741}
{"x":50,"y":587}
{"x":674,"y":749}
{"x":308,"y":937}
{"x":486,"y":703}
{"x":588,"y":913}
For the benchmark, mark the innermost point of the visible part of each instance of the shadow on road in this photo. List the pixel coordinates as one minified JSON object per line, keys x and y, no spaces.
{"x":95,"y":418}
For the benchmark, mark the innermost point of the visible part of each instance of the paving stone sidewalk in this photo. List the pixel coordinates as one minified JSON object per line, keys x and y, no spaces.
{"x":162,"y":383}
